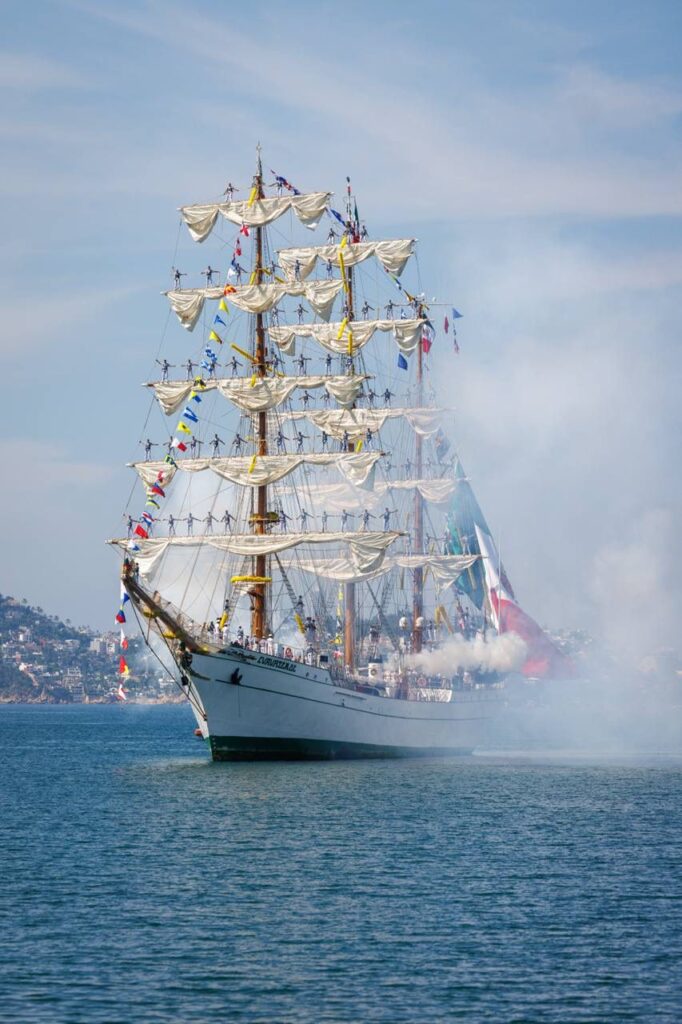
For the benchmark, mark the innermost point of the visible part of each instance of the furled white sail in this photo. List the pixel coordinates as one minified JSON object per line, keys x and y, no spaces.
{"x":433,"y":491}
{"x":261,"y":393}
{"x":356,"y":422}
{"x":393,"y":255}
{"x":188,"y":303}
{"x":337,"y":497}
{"x":366,"y":550}
{"x":201,"y":219}
{"x":335,"y":336}
{"x":446,"y":569}
{"x":255,"y":471}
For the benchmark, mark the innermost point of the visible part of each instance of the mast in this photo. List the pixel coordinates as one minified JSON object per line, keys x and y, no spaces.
{"x":349,"y":588}
{"x":258,"y":610}
{"x":418,"y":586}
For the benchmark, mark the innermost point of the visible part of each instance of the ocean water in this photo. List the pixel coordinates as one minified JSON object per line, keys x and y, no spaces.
{"x":142,"y":883}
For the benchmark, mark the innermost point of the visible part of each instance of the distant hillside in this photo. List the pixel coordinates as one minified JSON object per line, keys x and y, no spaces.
{"x":44,"y":659}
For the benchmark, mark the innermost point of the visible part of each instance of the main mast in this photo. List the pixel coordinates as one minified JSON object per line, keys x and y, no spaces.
{"x":349,"y":588}
{"x":258,"y":616}
{"x":418,"y":589}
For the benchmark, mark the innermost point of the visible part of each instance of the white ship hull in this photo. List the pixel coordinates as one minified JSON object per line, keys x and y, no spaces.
{"x":251,"y":705}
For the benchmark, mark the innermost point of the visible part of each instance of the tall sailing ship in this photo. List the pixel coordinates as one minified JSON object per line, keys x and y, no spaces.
{"x":309,"y":544}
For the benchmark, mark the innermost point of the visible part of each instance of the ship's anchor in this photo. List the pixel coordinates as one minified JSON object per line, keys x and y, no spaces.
{"x":235,"y":678}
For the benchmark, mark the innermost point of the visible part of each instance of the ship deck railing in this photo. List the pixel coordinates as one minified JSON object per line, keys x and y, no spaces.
{"x":410,"y":686}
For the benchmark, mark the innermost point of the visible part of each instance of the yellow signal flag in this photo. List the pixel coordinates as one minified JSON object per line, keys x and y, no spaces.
{"x":299,"y":623}
{"x":358,"y":445}
{"x":215,"y":337}
{"x":222,"y":305}
{"x":254,"y":380}
{"x":253,"y":464}
{"x":342,"y":265}
{"x":342,"y":327}
{"x":344,"y":242}
{"x":253,"y":196}
{"x":254,"y":275}
{"x":350,"y":343}
{"x":442,"y":616}
{"x":243,"y":352}
{"x":223,"y":621}
{"x":183,"y":428}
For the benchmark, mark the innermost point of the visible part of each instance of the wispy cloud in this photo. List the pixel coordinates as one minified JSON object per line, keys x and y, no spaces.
{"x":33,"y":72}
{"x":30,"y":326}
{"x":547,"y":151}
{"x":31,"y":464}
{"x":616,"y":101}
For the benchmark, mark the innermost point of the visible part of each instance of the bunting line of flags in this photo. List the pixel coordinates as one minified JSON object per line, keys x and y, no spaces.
{"x":234,"y":268}
{"x":155,"y":491}
{"x":428,"y":332}
{"x":123,"y":669}
{"x":446,"y":327}
{"x":283,"y":183}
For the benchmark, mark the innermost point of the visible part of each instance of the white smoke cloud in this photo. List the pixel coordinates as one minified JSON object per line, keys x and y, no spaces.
{"x":635,"y":587}
{"x":492,"y":653}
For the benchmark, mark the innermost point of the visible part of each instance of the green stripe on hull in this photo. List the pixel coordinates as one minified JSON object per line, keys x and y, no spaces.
{"x":265,"y":748}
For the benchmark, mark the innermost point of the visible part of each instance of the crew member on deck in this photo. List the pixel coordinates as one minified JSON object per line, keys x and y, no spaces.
{"x":165,"y":367}
{"x":216,"y":442}
{"x":148,"y":445}
{"x":386,"y":516}
{"x":209,"y":274}
{"x":280,"y":440}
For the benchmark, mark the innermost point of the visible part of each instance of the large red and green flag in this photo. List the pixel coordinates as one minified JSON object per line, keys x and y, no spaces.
{"x":543,"y":657}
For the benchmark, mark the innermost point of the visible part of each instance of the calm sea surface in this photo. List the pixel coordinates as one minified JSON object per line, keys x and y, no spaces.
{"x":142,"y":883}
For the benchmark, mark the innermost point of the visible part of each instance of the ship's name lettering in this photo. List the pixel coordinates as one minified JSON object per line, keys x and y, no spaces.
{"x":276,"y":663}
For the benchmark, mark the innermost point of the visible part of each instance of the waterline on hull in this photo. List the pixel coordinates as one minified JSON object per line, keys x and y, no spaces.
{"x":265,"y":748}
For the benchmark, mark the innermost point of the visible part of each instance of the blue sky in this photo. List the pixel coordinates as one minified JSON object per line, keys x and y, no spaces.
{"x":533,"y":148}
